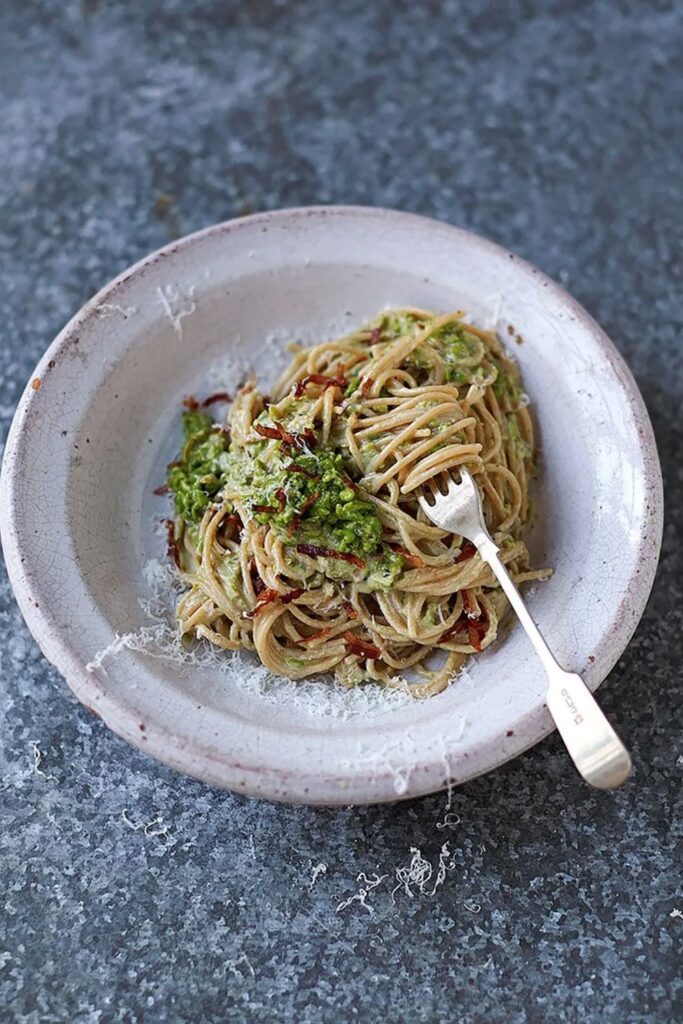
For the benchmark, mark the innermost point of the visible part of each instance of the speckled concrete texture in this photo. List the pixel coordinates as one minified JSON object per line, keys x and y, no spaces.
{"x":133,"y":895}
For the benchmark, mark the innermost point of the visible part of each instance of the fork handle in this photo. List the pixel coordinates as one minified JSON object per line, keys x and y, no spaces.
{"x":595,"y":748}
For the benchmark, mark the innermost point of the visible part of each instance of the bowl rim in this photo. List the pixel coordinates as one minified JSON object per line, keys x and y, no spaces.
{"x":206,"y":766}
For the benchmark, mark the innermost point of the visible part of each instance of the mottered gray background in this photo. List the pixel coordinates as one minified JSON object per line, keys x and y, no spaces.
{"x":130,"y":894}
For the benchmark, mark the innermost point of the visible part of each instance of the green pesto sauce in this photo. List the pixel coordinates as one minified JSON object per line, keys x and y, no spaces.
{"x":352,"y":386}
{"x":336,"y":519}
{"x":198,"y":476}
{"x":383,"y":571}
{"x":419,"y":358}
{"x":397,"y":325}
{"x":349,"y":673}
{"x":261,"y":474}
{"x":196,"y":422}
{"x":457,"y":347}
{"x":230,"y":572}
{"x":504,"y":387}
{"x":522,"y":446}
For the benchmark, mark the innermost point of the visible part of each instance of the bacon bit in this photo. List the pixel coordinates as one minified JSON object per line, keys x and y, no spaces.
{"x":315,"y":552}
{"x":281,"y":496}
{"x":468,"y":605}
{"x":161,"y":489}
{"x":320,"y":635}
{"x":476,"y":631}
{"x":459,"y":625}
{"x":320,"y":379}
{"x":475,"y":628}
{"x":376,"y":334}
{"x":367,"y":386}
{"x":306,"y":438}
{"x":298,"y":516}
{"x":171,"y":543}
{"x":279,"y":433}
{"x":172,"y":465}
{"x":410,"y":558}
{"x":293,"y":468}
{"x":264,"y":508}
{"x":268,"y":596}
{"x":256,"y":581}
{"x":361,"y":648}
{"x":190,"y":403}
{"x":218,"y":396}
{"x":351,"y":484}
{"x":271,"y":432}
{"x":232,"y":519}
{"x":350,"y":610}
{"x":467,"y":550}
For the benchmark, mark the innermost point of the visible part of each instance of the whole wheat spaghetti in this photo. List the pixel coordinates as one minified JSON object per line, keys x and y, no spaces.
{"x":298,"y":532}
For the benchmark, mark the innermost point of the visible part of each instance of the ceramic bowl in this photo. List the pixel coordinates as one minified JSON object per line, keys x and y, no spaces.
{"x":99,"y":421}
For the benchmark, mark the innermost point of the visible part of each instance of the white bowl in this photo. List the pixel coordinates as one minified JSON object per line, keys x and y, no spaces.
{"x":95,"y":428}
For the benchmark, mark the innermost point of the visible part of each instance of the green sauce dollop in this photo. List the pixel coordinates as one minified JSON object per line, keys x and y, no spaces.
{"x":198,"y":476}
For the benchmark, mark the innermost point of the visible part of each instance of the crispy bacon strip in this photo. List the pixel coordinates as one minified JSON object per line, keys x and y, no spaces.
{"x":271,"y":432}
{"x":306,"y":439}
{"x":321,"y":380}
{"x":457,"y":627}
{"x":361,"y":648}
{"x":294,"y":468}
{"x":476,"y":631}
{"x":161,"y":489}
{"x":351,"y":484}
{"x":467,"y":550}
{"x":298,"y":516}
{"x":264,"y":508}
{"x":315,"y":552}
{"x":172,"y":549}
{"x":278,"y":433}
{"x":367,"y":386}
{"x":309,"y":503}
{"x":281,"y":496}
{"x":256,"y":581}
{"x":190,"y":403}
{"x":268,"y":596}
{"x":321,"y":634}
{"x":217,"y":396}
{"x":232,"y":519}
{"x":350,"y":610}
{"x":410,"y":558}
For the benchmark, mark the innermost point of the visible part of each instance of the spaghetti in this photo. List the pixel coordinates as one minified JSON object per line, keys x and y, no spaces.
{"x":298,"y":531}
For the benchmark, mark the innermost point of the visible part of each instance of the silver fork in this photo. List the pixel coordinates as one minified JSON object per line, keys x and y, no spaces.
{"x":593,"y":745}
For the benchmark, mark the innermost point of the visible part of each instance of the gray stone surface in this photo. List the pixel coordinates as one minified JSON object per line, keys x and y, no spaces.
{"x":555,"y":129}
